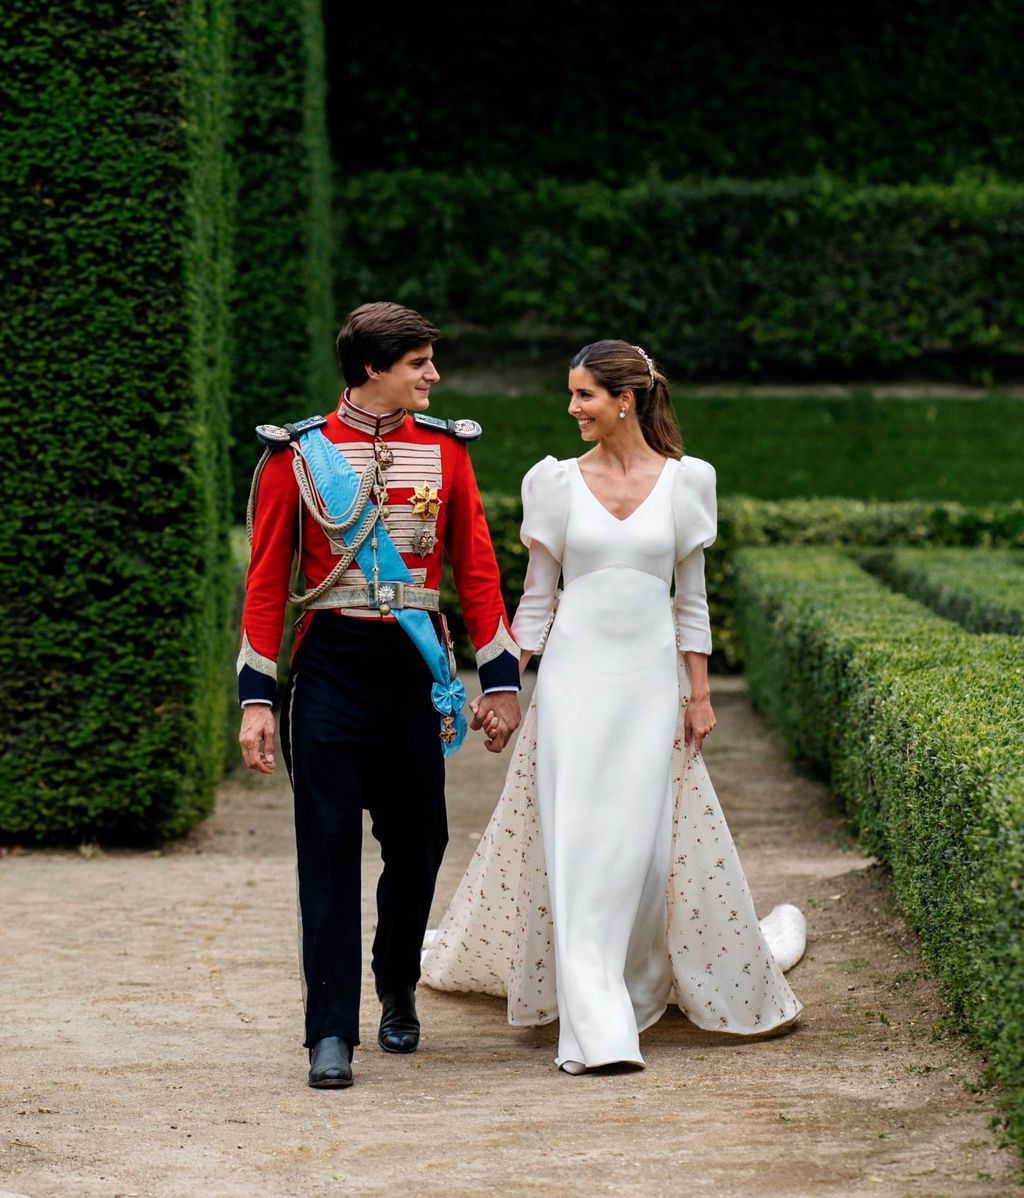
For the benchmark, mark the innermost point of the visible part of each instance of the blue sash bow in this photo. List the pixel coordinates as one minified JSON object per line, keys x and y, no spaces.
{"x":338,"y":483}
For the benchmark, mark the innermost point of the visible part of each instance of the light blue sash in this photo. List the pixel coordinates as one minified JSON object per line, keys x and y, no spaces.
{"x":338,"y":483}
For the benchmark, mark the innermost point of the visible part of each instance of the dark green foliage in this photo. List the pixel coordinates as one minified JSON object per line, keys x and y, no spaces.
{"x":114,"y":234}
{"x":780,"y":447}
{"x":875,"y":90}
{"x":916,"y":723}
{"x":981,"y":589}
{"x":791,"y":278}
{"x":841,"y":522}
{"x":743,"y":521}
{"x":283,"y":320}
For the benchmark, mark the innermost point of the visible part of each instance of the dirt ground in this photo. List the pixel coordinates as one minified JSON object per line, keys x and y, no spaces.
{"x":152,"y":1032}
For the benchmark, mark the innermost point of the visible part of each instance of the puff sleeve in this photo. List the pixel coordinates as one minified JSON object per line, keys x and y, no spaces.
{"x":696,"y":523}
{"x":546,"y":506}
{"x":694,"y":506}
{"x":545,"y":514}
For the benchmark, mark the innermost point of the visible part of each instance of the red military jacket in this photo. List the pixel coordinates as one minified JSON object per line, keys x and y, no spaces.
{"x":432,"y":503}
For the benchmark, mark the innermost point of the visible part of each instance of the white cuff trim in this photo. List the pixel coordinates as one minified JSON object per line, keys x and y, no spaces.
{"x":502,"y":642}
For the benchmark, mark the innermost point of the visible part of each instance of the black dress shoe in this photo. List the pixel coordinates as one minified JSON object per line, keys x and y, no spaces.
{"x":330,"y":1064}
{"x":399,"y":1027}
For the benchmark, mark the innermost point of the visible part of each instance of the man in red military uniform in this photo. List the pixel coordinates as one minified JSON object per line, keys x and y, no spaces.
{"x":359,"y":729}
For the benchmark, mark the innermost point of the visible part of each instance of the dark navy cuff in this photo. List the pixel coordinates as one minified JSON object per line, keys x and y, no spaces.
{"x":255,"y":687}
{"x":502,"y":672}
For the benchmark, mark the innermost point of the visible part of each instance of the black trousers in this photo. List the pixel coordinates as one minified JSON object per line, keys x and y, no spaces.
{"x":358,"y":730}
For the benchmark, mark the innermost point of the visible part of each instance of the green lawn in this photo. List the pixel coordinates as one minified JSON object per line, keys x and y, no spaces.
{"x":971,"y":450}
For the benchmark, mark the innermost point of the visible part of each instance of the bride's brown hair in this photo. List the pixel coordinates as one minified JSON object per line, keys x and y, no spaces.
{"x":618,"y":366}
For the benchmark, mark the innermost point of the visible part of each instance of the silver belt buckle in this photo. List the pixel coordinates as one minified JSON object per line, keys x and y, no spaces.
{"x":387,"y":595}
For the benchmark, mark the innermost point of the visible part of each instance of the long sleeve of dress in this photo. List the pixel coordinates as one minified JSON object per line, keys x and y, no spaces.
{"x":536,"y":608}
{"x":545,"y":511}
{"x":690,"y":606}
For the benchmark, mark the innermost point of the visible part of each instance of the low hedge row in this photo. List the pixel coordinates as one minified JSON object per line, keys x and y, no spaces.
{"x":981,"y":589}
{"x":794,"y":278}
{"x":916,"y":723}
{"x":743,"y":521}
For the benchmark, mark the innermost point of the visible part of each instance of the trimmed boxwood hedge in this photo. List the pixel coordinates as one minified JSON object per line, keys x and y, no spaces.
{"x":841,"y":522}
{"x":789,"y":278}
{"x":283,"y":319}
{"x":982,"y":590}
{"x":916,"y":723}
{"x":115,"y":240}
{"x":744,"y":521}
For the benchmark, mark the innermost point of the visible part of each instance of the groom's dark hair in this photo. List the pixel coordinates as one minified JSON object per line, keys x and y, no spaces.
{"x":378,"y":335}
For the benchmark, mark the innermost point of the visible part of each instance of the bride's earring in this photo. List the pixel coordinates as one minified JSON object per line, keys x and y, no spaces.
{"x":622,"y":413}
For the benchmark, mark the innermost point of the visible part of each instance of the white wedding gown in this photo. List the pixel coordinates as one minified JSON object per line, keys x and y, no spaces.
{"x":607,"y":884}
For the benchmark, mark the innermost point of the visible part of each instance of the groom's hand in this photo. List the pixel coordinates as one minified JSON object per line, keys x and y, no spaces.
{"x":256,"y":737}
{"x":498,"y":715}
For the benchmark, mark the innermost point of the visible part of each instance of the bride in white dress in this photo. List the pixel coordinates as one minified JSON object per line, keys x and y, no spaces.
{"x":606,"y":884}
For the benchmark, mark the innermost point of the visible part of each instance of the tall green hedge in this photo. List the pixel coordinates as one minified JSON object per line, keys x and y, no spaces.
{"x":873,"y":90}
{"x":794,"y":278}
{"x":283,"y":312}
{"x":916,"y":723}
{"x":115,"y":238}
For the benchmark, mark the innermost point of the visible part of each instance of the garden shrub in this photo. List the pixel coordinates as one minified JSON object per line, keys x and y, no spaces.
{"x":115,"y":238}
{"x":792,"y":278}
{"x":981,"y":589}
{"x":916,"y":724}
{"x":743,"y":521}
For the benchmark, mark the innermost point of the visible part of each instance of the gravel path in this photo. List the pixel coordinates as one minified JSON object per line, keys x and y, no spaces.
{"x":152,"y":1025}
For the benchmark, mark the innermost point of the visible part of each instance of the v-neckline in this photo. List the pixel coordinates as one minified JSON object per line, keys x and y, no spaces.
{"x":620,"y":519}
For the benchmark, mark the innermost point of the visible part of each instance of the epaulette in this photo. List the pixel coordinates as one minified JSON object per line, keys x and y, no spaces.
{"x":277,"y":436}
{"x":461,"y":430}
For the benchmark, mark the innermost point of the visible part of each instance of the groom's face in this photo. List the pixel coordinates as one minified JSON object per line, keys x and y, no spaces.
{"x":407,"y":383}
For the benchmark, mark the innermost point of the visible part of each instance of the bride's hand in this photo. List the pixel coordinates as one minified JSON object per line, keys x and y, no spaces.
{"x":698,"y":721}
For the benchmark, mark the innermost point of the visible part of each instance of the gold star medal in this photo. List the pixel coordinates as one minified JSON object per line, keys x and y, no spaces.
{"x":425,"y":501}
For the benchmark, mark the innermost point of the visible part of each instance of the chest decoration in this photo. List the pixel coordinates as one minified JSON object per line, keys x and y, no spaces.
{"x":424,"y":541}
{"x":425,"y":501}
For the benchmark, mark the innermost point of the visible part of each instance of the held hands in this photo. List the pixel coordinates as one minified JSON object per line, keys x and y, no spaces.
{"x":257,"y":737}
{"x":498,"y":715}
{"x":698,"y":721}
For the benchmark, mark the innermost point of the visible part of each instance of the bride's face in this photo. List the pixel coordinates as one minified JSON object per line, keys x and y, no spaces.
{"x":594,"y":408}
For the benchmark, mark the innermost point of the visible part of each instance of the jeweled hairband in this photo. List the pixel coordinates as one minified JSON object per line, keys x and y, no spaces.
{"x":647,"y":358}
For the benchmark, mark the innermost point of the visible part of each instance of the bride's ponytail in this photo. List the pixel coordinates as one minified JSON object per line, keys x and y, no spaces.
{"x":658,"y":421}
{"x":618,"y":366}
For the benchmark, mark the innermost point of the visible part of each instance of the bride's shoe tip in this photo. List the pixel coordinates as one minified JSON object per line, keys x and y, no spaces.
{"x":573,"y":1067}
